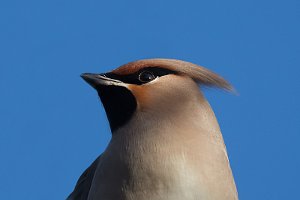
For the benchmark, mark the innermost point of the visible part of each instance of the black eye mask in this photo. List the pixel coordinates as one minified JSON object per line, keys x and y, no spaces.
{"x":142,"y":76}
{"x":119,"y":102}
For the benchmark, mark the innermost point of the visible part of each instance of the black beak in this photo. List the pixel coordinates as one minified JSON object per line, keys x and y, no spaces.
{"x":91,"y":79}
{"x":96,"y":80}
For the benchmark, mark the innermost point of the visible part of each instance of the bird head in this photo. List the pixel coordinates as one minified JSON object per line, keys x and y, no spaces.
{"x":153,"y":86}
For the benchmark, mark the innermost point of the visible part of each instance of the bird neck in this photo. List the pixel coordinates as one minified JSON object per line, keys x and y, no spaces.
{"x":189,"y":140}
{"x":192,"y":118}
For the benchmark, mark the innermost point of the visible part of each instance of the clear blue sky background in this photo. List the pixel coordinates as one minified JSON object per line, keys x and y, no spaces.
{"x":52,"y":125}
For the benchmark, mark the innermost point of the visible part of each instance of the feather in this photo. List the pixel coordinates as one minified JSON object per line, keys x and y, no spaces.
{"x":198,"y":73}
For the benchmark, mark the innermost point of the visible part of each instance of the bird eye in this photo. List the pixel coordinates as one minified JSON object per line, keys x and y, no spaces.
{"x":146,"y":76}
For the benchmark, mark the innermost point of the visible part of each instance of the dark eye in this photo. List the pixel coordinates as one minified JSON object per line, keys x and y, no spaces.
{"x":146,"y":76}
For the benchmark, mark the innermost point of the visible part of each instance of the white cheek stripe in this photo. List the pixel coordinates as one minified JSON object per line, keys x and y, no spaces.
{"x":108,"y":81}
{"x":122,"y":84}
{"x":115,"y":83}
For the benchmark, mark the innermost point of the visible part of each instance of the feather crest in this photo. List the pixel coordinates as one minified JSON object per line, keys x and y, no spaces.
{"x":200,"y":74}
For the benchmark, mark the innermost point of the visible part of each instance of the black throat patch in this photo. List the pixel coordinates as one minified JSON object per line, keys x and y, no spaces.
{"x":119,"y":104}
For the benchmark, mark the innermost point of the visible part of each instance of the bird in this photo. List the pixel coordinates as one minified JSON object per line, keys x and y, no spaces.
{"x":166,"y":143}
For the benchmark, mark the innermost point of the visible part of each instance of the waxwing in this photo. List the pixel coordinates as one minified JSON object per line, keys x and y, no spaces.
{"x":166,"y":142}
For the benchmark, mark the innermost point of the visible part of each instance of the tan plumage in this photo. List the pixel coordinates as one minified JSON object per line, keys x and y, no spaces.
{"x":171,"y":148}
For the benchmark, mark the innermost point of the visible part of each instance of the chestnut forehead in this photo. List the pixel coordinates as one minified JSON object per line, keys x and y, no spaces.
{"x":133,"y":67}
{"x":130,"y":68}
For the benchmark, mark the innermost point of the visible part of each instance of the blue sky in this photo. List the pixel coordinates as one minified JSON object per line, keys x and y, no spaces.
{"x":52,"y":125}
